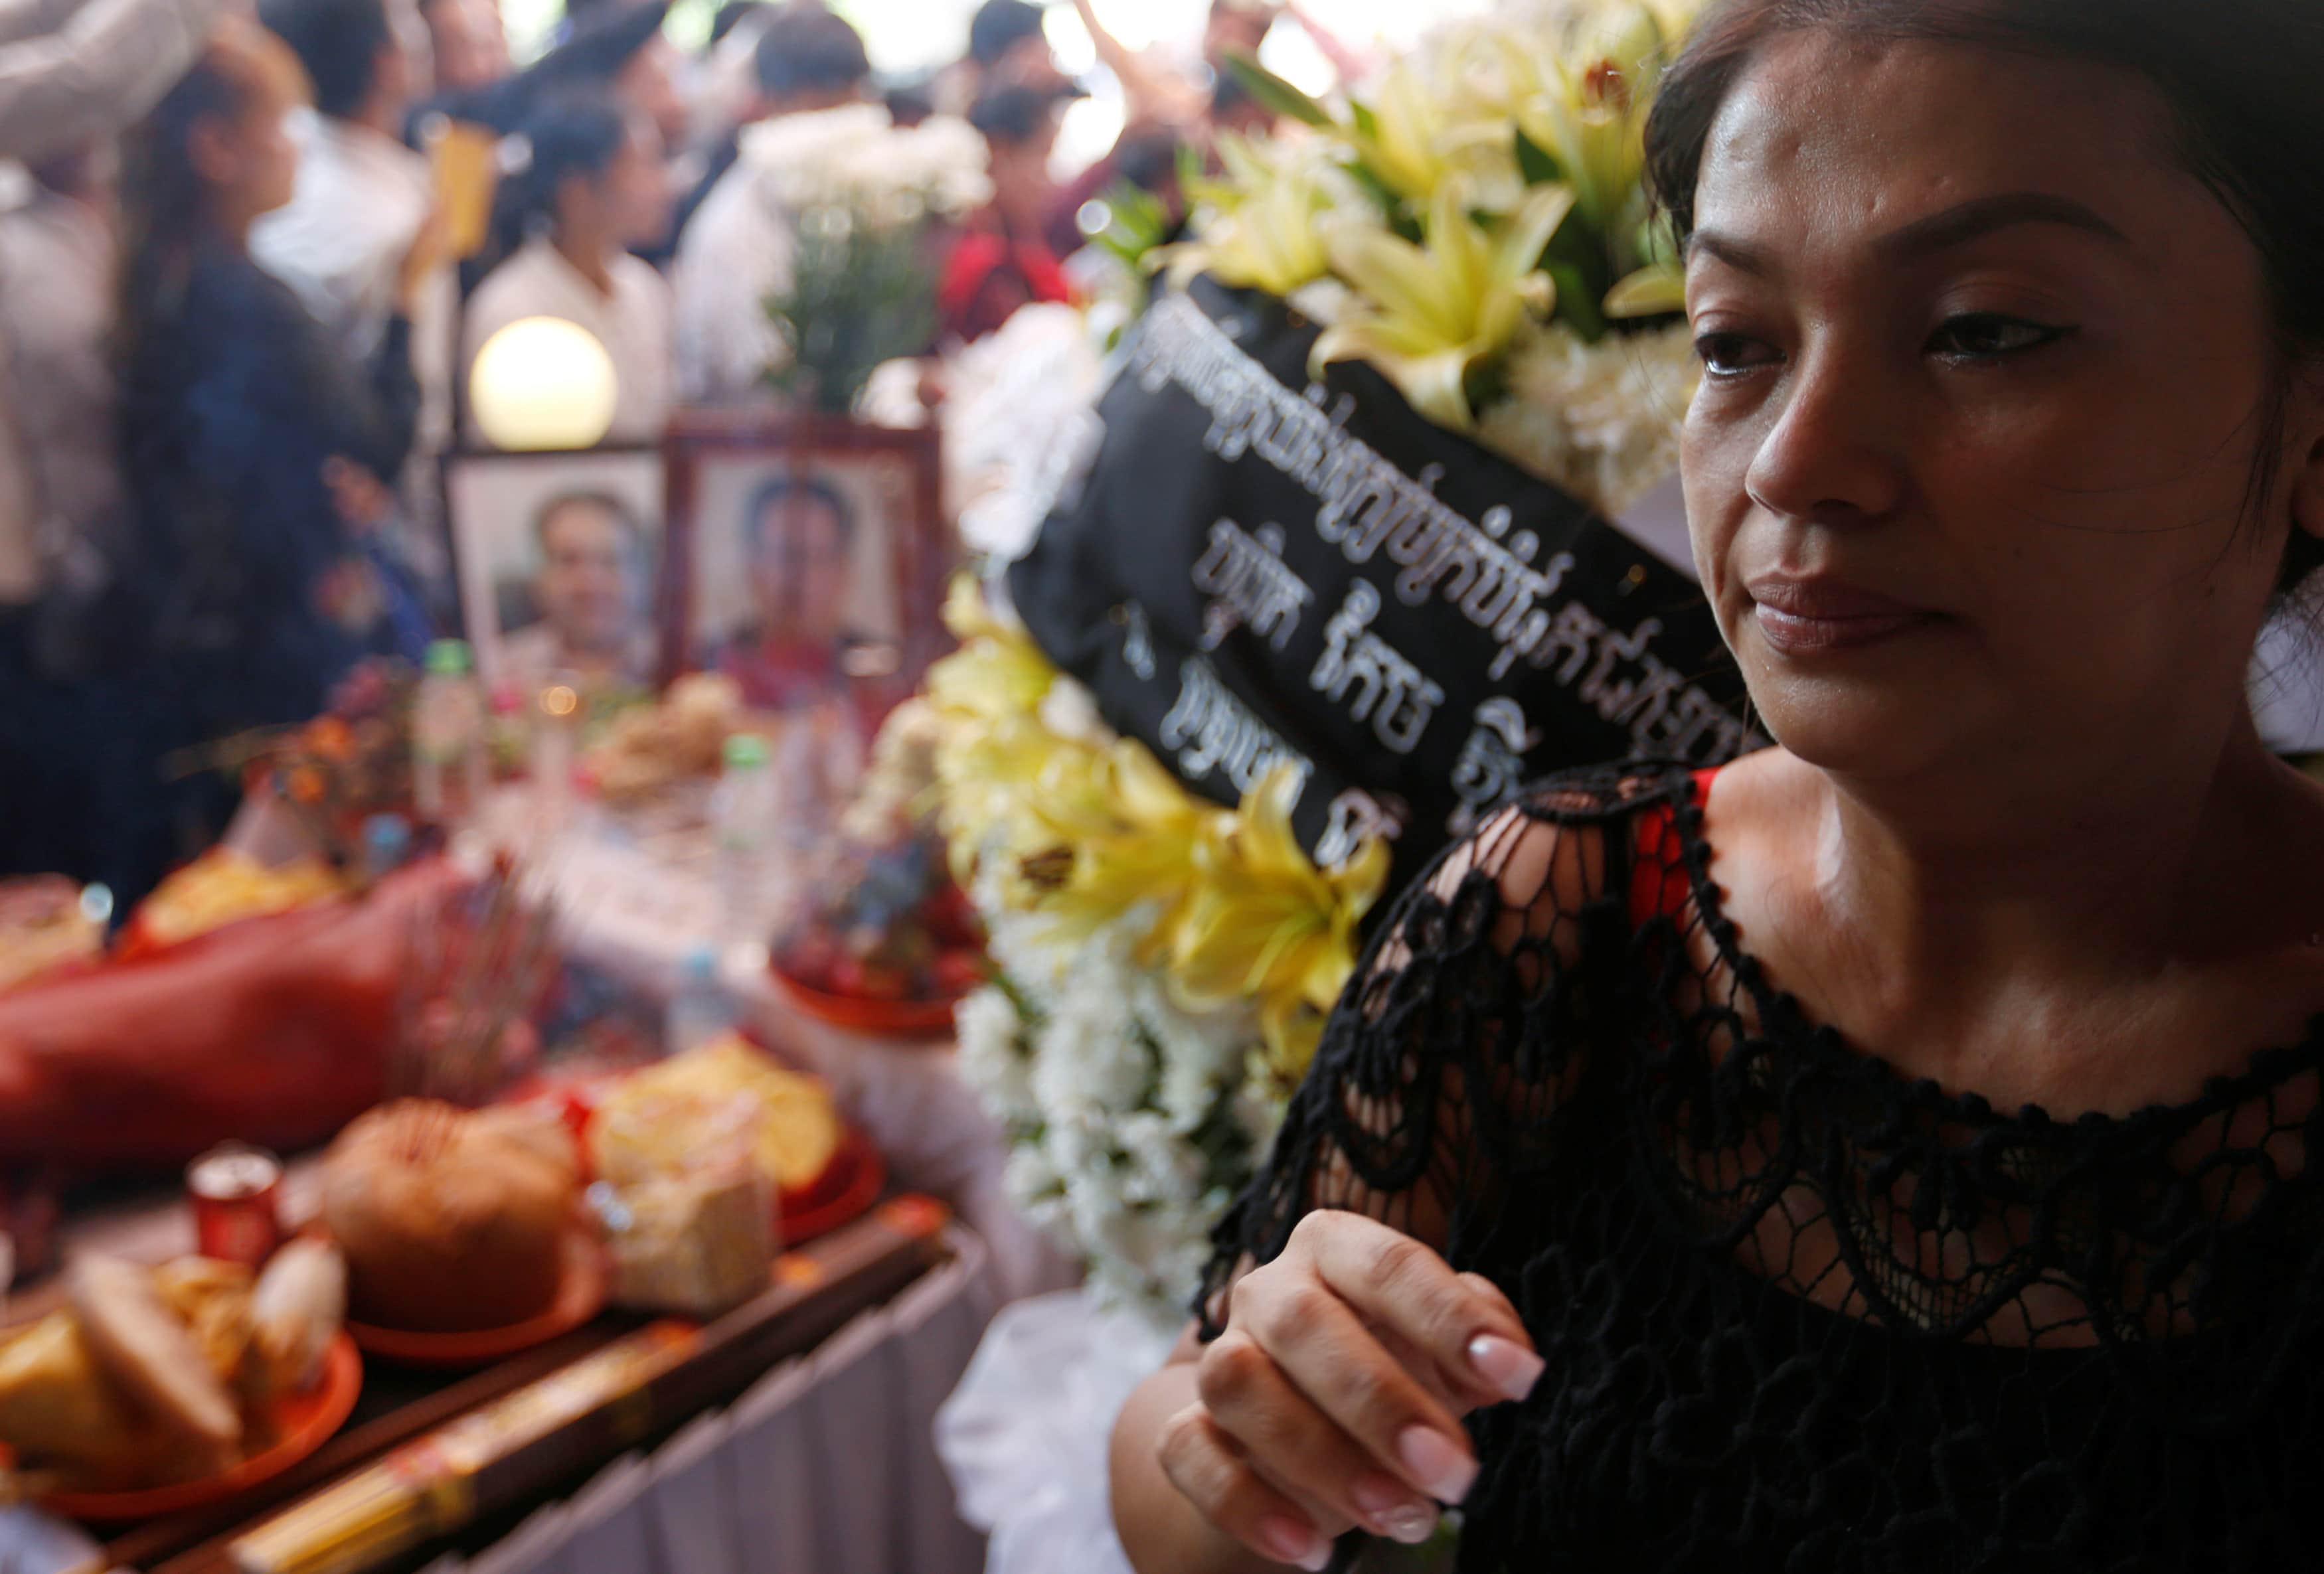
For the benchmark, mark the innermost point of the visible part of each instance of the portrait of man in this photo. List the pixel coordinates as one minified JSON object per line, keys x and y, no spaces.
{"x":589,"y":595}
{"x":799,"y":646}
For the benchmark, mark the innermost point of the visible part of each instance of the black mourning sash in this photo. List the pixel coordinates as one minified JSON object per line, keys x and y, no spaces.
{"x":1258,"y":570}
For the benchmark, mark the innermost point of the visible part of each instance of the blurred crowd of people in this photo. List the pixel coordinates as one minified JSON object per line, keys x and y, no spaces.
{"x":248,"y":260}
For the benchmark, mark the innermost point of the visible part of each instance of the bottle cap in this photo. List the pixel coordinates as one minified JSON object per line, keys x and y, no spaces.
{"x":745,"y":750}
{"x":449,"y":657}
{"x":386,"y":837}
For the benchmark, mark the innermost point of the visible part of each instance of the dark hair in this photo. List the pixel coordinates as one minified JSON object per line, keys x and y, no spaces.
{"x":1228,"y":95}
{"x":1147,"y":156}
{"x":340,"y":42}
{"x":164,"y":200}
{"x":782,"y":489}
{"x":1013,"y":115}
{"x":732,"y":15}
{"x":999,"y":26}
{"x":603,"y":502}
{"x":601,"y":48}
{"x":908,"y":102}
{"x":2240,"y":77}
{"x":580,"y":130}
{"x":806,"y":50}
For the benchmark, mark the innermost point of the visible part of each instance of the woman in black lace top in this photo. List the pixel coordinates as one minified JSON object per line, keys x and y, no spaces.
{"x":1868,"y":1156}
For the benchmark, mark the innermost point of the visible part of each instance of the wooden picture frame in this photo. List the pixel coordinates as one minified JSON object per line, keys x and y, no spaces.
{"x":493,"y":506}
{"x":901,"y":550}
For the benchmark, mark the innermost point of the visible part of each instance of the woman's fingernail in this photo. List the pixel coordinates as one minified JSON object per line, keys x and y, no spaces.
{"x":1411,"y":1525}
{"x":1510,"y":1368}
{"x":1388,"y":1506}
{"x":1444,"y":1471}
{"x":1287,"y":1541}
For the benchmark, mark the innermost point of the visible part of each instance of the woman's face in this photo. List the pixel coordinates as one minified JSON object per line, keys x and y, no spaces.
{"x":250,"y":160}
{"x":1985,"y":370}
{"x":637,"y":186}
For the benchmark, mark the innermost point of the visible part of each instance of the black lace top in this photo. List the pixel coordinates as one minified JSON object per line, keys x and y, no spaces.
{"x":1800,"y":1312}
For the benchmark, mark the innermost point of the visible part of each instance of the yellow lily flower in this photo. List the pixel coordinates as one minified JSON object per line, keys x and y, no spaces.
{"x":1263,"y":923}
{"x":1590,"y":114}
{"x":1133,"y":835}
{"x":1418,"y":135}
{"x":1402,"y":139}
{"x":1428,"y":314}
{"x":1089,"y":834}
{"x":1263,"y":232}
{"x":1656,"y":289}
{"x":997,"y":672}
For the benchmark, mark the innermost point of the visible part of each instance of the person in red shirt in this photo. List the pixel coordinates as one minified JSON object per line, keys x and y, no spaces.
{"x":1000,"y":260}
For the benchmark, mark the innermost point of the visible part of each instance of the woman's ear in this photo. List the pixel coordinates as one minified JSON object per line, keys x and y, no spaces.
{"x":213,"y":152}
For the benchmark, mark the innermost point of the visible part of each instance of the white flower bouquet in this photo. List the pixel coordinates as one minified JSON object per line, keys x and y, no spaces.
{"x":858,"y":160}
{"x":859,"y":192}
{"x":1475,"y":228}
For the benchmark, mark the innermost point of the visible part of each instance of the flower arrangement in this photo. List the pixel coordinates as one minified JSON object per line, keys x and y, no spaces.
{"x":860,"y":192}
{"x":1163,"y":965}
{"x":857,"y":158}
{"x":1475,"y":229}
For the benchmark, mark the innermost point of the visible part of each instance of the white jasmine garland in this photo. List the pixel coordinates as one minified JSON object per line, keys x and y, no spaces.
{"x":1093,"y":1058}
{"x":1129,"y":1119}
{"x":997,"y":1057}
{"x":1598,"y":420}
{"x":1035,"y":1186}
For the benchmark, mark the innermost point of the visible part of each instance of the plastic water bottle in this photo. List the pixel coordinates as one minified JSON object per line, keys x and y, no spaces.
{"x":700,"y":1011}
{"x":447,"y":737}
{"x":387,"y":844}
{"x":745,"y":813}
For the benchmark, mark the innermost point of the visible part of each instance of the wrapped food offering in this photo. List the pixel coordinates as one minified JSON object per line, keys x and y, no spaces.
{"x":698,"y":1244}
{"x":225,"y":887}
{"x":682,"y":1114}
{"x":44,"y":926}
{"x":451,"y":1222}
{"x":152,"y":1377}
{"x":654,"y":747}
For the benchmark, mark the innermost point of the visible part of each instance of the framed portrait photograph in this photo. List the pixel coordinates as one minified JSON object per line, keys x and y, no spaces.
{"x":560,"y":559}
{"x":807,"y":557}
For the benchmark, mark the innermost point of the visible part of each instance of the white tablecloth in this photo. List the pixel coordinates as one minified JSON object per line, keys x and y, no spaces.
{"x":824,"y":1467}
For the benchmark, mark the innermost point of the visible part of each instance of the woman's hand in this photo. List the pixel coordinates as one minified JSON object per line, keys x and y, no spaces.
{"x":362,"y":499}
{"x":1333,"y":1401}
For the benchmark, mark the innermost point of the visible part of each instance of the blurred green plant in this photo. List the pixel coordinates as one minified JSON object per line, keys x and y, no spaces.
{"x":861,"y":294}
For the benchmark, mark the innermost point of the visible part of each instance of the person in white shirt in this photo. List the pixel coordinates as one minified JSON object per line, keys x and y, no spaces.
{"x":737,"y":245}
{"x":594,"y":187}
{"x":363,"y":197}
